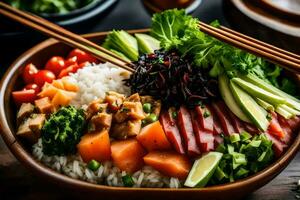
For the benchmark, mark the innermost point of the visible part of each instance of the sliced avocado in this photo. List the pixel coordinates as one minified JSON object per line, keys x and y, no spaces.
{"x":290,"y":100}
{"x":255,"y":91}
{"x":283,"y":112}
{"x":264,"y":104}
{"x":256,"y":113}
{"x":121,"y":55}
{"x":146,"y":43}
{"x":229,"y":99}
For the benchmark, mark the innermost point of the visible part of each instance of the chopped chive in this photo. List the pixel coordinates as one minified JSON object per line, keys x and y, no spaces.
{"x":206,"y":114}
{"x":127,"y":180}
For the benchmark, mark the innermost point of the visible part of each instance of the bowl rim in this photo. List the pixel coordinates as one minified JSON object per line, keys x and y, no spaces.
{"x":38,"y":168}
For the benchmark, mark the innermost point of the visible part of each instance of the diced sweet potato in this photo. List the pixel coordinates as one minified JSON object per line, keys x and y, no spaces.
{"x":58,"y":84}
{"x":169,"y":163}
{"x":62,"y":98}
{"x":48,"y":90}
{"x":95,"y":146}
{"x":69,"y":85}
{"x":128,"y":155}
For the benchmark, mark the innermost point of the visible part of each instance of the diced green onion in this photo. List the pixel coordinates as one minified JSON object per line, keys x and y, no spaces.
{"x":245,"y":136}
{"x":93,"y":165}
{"x":147,"y":107}
{"x":206,"y":114}
{"x":221,"y":148}
{"x":220,"y":174}
{"x":255,"y":143}
{"x":242,"y":172}
{"x":235,"y":138}
{"x":174,"y":114}
{"x":230,"y":149}
{"x":127,"y":180}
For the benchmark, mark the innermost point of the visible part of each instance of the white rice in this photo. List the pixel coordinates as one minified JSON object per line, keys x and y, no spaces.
{"x":93,"y":82}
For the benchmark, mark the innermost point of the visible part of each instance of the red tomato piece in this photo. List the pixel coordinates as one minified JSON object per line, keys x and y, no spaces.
{"x":29,"y":72}
{"x":34,"y":87}
{"x":71,"y":61}
{"x":44,"y":76}
{"x":68,"y":70}
{"x":82,"y":65}
{"x":24,"y":96}
{"x":55,"y":64}
{"x":275,"y":128}
{"x":82,"y":56}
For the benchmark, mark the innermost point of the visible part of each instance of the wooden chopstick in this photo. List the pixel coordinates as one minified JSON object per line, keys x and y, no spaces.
{"x":290,"y":63}
{"x":63,"y":35}
{"x":260,"y":42}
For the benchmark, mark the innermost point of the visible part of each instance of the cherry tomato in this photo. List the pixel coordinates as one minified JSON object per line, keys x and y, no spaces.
{"x":71,"y":61}
{"x":33,"y":86}
{"x":68,"y":70}
{"x":44,"y":76}
{"x":29,"y":72}
{"x":82,"y":56}
{"x":55,"y":64}
{"x":24,"y":96}
{"x":82,"y":65}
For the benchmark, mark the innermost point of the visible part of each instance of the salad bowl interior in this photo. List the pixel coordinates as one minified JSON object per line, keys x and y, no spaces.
{"x":39,"y":55}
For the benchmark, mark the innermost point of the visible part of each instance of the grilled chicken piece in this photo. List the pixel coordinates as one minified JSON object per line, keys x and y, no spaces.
{"x":95,"y":107}
{"x":44,"y":105}
{"x":25,"y":111}
{"x":126,"y":129}
{"x":156,"y":104}
{"x":134,"y":98}
{"x":31,"y":127}
{"x":129,"y":110}
{"x":114,"y":100}
{"x":101,"y":121}
{"x":36,"y":123}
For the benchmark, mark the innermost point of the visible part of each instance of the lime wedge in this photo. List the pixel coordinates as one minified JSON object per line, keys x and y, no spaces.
{"x":146,"y":43}
{"x":203,"y":169}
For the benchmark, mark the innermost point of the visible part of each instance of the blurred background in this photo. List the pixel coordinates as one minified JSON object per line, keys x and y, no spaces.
{"x":273,"y":21}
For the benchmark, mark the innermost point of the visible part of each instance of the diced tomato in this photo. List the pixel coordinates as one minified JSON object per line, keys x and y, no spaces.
{"x":278,"y":146}
{"x":24,"y":96}
{"x":44,"y":76}
{"x":71,"y":61}
{"x":286,"y":128}
{"x":55,"y":64}
{"x":29,"y":73}
{"x":82,"y":65}
{"x":222,"y":113}
{"x":186,"y":131}
{"x":204,"y":139}
{"x":275,"y":128}
{"x":82,"y":56}
{"x":238,"y":125}
{"x":33,"y":86}
{"x":172,"y":131}
{"x":68,"y":70}
{"x":205,"y":118}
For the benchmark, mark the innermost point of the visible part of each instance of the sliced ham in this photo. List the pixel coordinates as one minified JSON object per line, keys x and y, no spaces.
{"x":205,"y":118}
{"x":217,"y":125}
{"x":204,"y":139}
{"x":250,"y":128}
{"x":172,"y":131}
{"x":294,"y":123}
{"x":238,"y":125}
{"x":186,"y":131}
{"x":222,"y":113}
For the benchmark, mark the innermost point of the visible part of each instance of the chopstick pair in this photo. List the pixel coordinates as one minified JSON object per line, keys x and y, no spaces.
{"x":64,"y":35}
{"x":279,"y":56}
{"x":287,"y":60}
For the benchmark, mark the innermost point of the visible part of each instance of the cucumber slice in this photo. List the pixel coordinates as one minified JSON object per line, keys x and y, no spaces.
{"x":255,"y":91}
{"x":264,"y":104}
{"x":290,"y":100}
{"x":146,"y":43}
{"x":283,"y":112}
{"x":121,"y":55}
{"x":291,"y":110}
{"x":203,"y":169}
{"x":229,"y":99}
{"x":256,"y":113}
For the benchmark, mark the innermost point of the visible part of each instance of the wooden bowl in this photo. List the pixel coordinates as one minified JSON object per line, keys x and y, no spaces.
{"x":39,"y":55}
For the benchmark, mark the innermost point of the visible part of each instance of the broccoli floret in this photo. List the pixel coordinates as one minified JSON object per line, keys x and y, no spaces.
{"x":62,"y":131}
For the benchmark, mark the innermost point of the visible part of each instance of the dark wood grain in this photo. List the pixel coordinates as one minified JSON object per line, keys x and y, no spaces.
{"x":18,"y":183}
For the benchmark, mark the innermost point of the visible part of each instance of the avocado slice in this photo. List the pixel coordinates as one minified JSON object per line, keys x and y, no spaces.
{"x":290,"y":100}
{"x":255,"y":91}
{"x":256,"y":113}
{"x":146,"y":43}
{"x":264,"y":104}
{"x":229,"y":99}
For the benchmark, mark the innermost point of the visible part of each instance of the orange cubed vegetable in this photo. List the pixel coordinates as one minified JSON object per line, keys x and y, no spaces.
{"x":153,"y":137}
{"x":95,"y":146}
{"x":128,"y":155}
{"x":58,"y":84}
{"x":48,"y":90}
{"x":62,"y":98}
{"x":170,"y":164}
{"x":69,"y":85}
